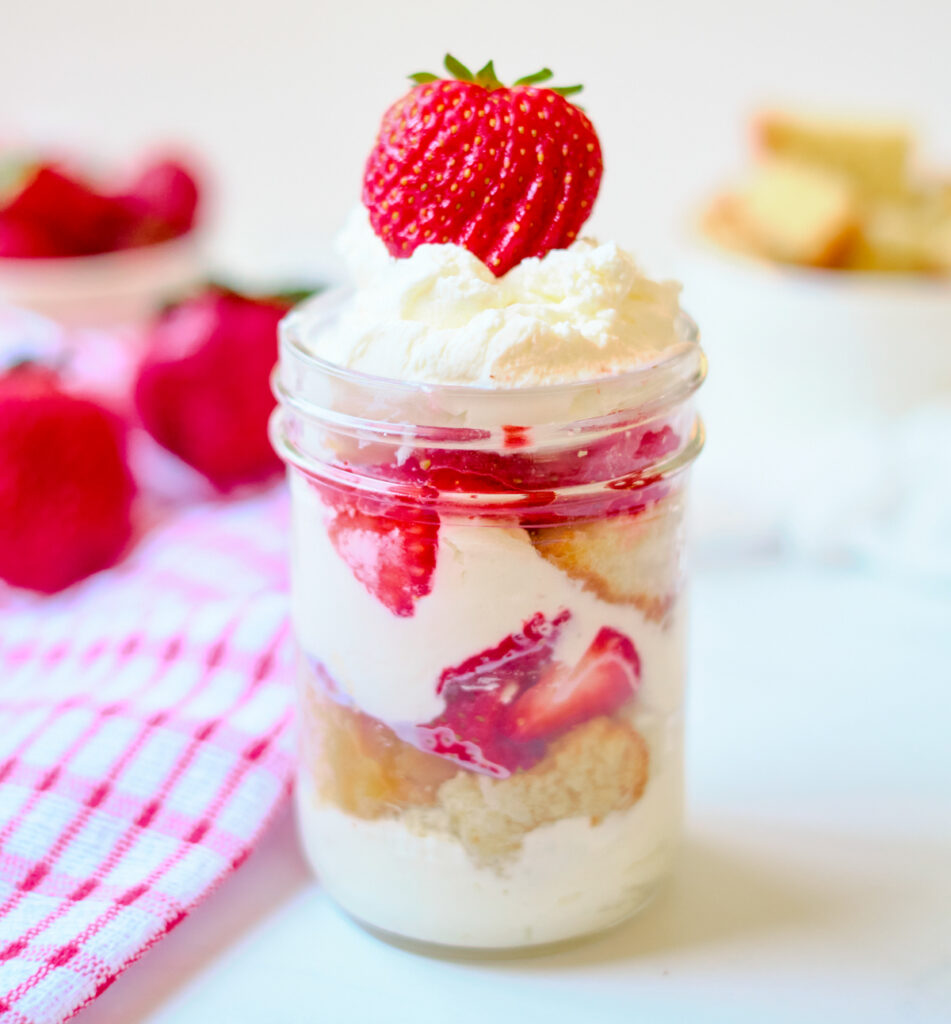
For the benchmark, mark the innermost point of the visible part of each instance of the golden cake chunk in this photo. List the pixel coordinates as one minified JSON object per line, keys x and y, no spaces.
{"x":362,"y":766}
{"x":838,"y":193}
{"x":599,"y":767}
{"x":873,"y":154}
{"x":796,"y":213}
{"x":626,"y":559}
{"x":908,"y":235}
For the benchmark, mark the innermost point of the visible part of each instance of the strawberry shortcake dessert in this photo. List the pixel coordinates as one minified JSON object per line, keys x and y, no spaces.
{"x":488,"y":437}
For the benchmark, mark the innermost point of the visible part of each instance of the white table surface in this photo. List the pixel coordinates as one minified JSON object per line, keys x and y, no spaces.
{"x":815,"y":882}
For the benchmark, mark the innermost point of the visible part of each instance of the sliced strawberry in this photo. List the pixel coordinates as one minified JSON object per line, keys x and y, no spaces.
{"x":618,"y":461}
{"x":461,"y":470}
{"x":393,"y":557}
{"x":606,"y":677}
{"x":479,"y":695}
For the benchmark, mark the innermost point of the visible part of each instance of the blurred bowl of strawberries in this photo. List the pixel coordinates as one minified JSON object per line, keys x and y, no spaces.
{"x":97,"y":250}
{"x":822,"y":279}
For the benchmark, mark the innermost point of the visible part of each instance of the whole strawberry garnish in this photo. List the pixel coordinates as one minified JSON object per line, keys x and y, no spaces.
{"x":505,"y":172}
{"x":65,"y":488}
{"x":203,"y":389}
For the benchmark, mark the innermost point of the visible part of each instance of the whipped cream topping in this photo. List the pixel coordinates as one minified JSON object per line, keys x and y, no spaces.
{"x":441,"y":317}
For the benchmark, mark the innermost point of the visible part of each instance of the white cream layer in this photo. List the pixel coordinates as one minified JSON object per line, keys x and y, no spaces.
{"x":487,"y":583}
{"x":441,"y":317}
{"x":570,"y":878}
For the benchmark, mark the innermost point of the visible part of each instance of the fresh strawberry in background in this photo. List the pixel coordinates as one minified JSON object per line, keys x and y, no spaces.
{"x":48,"y":210}
{"x":24,"y":241}
{"x":507,"y":172}
{"x":203,"y":389}
{"x":65,"y":488}
{"x":73,"y":217}
{"x":162,"y":202}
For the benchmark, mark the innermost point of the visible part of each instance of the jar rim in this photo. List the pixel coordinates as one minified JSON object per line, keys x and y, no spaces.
{"x":353,"y":430}
{"x":677,"y":357}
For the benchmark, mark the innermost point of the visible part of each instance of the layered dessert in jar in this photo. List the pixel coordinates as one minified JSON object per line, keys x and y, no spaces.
{"x":488,"y":438}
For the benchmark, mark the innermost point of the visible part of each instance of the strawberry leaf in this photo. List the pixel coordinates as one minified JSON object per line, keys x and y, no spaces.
{"x":487,"y":77}
{"x":539,"y":76}
{"x":457,"y":69}
{"x":14,"y":172}
{"x":292,"y":294}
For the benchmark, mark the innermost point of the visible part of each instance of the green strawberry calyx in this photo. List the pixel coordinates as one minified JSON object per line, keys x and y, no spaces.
{"x":487,"y":78}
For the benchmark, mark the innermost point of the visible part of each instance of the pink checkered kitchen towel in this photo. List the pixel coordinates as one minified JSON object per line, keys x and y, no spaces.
{"x":144,"y":745}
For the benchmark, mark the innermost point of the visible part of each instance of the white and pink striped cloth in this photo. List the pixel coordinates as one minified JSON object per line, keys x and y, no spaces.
{"x":144,"y":744}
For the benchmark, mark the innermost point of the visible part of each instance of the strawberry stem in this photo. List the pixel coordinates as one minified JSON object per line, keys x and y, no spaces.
{"x":487,"y":78}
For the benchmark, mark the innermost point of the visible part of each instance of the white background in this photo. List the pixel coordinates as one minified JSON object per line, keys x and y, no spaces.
{"x":283,"y":97}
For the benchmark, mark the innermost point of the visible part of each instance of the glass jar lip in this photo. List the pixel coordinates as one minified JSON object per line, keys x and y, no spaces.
{"x":350,"y":429}
{"x":679,"y":360}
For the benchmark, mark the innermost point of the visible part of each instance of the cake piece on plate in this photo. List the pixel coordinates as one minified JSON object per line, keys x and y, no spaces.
{"x":793,"y":212}
{"x":911,"y":235}
{"x":871,"y":153}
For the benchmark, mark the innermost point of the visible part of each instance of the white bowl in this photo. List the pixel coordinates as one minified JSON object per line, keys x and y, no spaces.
{"x":797,"y":350}
{"x":813,"y":379}
{"x":104,"y":290}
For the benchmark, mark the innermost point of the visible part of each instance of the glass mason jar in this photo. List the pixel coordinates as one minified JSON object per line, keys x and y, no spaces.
{"x":487,"y":597}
